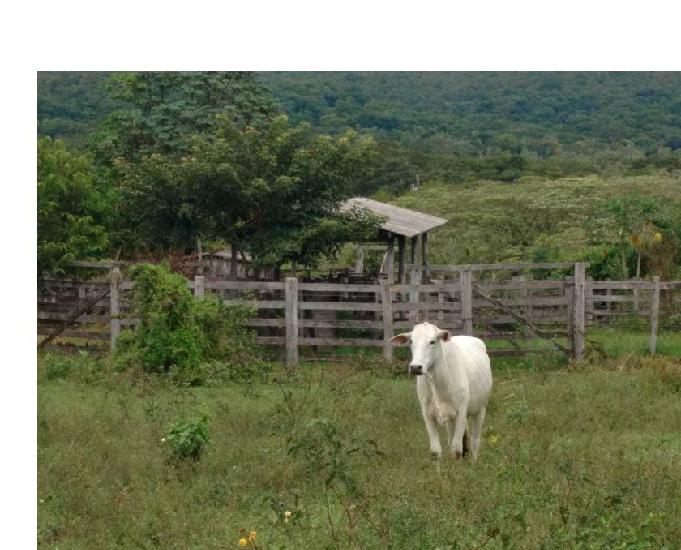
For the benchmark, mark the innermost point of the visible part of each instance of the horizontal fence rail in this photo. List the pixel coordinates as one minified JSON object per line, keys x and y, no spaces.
{"x":304,"y":316}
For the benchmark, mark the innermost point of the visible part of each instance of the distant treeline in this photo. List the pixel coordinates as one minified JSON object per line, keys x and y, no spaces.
{"x":453,"y":126}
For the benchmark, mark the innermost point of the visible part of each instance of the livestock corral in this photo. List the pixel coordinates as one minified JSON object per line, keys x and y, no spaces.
{"x":516,"y":308}
{"x":574,"y":453}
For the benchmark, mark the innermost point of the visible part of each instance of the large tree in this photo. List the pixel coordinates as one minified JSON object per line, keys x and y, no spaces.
{"x":163,"y":110}
{"x":72,"y":211}
{"x":273,"y":190}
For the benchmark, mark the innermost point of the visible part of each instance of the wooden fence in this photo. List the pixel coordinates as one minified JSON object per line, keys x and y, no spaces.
{"x":304,"y":316}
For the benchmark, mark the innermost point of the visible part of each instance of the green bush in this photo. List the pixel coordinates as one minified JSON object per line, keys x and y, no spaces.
{"x":178,"y":333}
{"x":81,"y":365}
{"x":187,"y":439}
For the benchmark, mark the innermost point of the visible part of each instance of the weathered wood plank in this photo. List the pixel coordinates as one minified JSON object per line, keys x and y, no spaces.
{"x":70,"y":305}
{"x":415,"y":281}
{"x":339,"y":306}
{"x":114,"y":307}
{"x":87,"y":318}
{"x":292,"y":321}
{"x":341,"y":323}
{"x":579,"y":315}
{"x":445,"y":324}
{"x":350,"y":342}
{"x":510,"y":266}
{"x":467,"y":301}
{"x":340,"y":287}
{"x":612,"y":298}
{"x":244,"y":285}
{"x":427,"y":306}
{"x":199,"y":289}
{"x":534,"y":301}
{"x":606,"y":313}
{"x":654,"y":311}
{"x":258,"y":304}
{"x":86,"y":334}
{"x":523,"y":285}
{"x":425,"y":288}
{"x":387,"y":311}
{"x":279,"y":322}
{"x":271,"y":340}
{"x":620,"y":285}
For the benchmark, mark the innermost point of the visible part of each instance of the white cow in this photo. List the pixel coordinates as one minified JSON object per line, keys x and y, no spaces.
{"x":454,"y":381}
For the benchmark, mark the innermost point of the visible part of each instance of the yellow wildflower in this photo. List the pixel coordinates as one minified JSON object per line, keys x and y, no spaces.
{"x":493,"y":439}
{"x":243,"y":542}
{"x":287,"y":514}
{"x":252,"y":536}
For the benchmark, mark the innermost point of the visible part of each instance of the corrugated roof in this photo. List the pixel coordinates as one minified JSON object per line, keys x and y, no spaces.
{"x":400,"y":221}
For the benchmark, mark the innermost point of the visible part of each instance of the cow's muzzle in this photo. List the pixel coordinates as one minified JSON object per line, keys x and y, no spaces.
{"x":416,"y":369}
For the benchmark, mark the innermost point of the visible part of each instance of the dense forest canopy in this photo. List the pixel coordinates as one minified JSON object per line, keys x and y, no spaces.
{"x":443,"y":112}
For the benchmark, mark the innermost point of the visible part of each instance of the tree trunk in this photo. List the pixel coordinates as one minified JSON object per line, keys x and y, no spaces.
{"x":625,"y":271}
{"x":233,"y":266}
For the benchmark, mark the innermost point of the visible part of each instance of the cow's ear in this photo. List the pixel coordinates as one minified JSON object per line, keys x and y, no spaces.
{"x":443,"y":335}
{"x":401,"y":339}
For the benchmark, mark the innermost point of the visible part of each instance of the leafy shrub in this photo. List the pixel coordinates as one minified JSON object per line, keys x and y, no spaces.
{"x":187,"y":439}
{"x":56,"y":366}
{"x":178,"y":333}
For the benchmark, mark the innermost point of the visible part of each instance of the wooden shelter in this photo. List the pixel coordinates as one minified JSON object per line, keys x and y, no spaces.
{"x":400,"y":224}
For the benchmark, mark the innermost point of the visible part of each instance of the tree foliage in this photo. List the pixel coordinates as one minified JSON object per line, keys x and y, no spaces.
{"x":72,"y":210}
{"x":637,"y":228}
{"x":273,"y":190}
{"x":163,"y":110}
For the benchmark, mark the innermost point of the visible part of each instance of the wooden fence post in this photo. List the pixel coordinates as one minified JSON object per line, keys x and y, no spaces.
{"x":589,"y":302}
{"x":570,"y":297}
{"x":414,"y":282}
{"x":579,"y":310}
{"x":199,"y":286}
{"x":292,"y":321}
{"x":467,"y":301}
{"x":654,"y":312}
{"x":114,"y":309}
{"x":387,"y":310}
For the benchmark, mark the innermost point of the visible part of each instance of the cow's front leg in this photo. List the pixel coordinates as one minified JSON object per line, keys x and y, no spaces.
{"x":431,"y":428}
{"x":459,"y":429}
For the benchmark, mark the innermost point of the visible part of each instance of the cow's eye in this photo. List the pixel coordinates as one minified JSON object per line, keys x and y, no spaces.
{"x":432,"y":342}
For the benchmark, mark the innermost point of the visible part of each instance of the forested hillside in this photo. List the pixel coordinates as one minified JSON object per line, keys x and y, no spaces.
{"x":461,"y":113}
{"x":450,"y":112}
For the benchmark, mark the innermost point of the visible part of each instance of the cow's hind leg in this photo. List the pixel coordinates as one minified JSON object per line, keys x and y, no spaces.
{"x":476,"y":431}
{"x":466,"y":439}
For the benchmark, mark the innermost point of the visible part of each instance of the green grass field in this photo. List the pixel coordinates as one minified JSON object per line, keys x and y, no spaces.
{"x":586,"y":456}
{"x":504,"y":222}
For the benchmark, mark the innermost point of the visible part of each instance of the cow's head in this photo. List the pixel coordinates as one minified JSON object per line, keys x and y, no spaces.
{"x":424,"y":340}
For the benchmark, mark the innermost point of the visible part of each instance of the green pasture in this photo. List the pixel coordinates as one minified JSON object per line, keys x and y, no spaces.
{"x":574,"y":456}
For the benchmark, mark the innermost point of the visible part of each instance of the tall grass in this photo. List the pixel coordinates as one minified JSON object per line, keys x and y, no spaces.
{"x":582,"y":457}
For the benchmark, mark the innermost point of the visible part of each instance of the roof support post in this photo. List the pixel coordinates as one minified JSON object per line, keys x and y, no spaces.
{"x":401,"y":242}
{"x":424,"y":256}
{"x":390,"y":259}
{"x":414,"y":250}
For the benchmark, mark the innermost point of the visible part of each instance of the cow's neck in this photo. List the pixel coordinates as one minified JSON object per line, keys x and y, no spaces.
{"x":442,"y":377}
